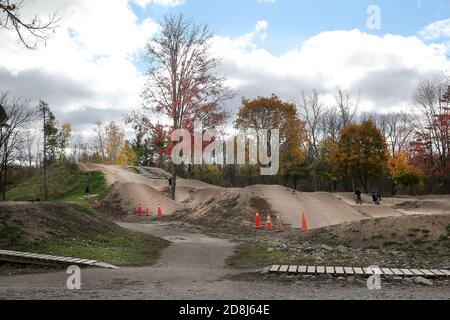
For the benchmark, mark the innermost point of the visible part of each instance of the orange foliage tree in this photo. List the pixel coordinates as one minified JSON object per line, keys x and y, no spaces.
{"x":403,"y":172}
{"x":265,"y":113}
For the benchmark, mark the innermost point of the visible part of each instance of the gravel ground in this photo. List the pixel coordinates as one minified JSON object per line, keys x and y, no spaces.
{"x":193,"y":267}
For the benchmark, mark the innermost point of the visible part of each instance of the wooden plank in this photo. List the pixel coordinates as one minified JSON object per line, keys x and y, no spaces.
{"x":407,"y":272}
{"x":387,"y":271}
{"x":446,"y":272}
{"x":330,"y":270}
{"x":302,"y":269}
{"x":397,"y":272}
{"x":438,"y":273}
{"x":359,"y":271}
{"x":417,"y":272}
{"x":284,"y":269}
{"x":44,"y":259}
{"x":320,"y":270}
{"x":293,"y":269}
{"x":339,"y":270}
{"x":368,"y":271}
{"x":378,"y":271}
{"x":312,"y":270}
{"x":427,"y":272}
{"x":349,"y":271}
{"x":274,"y":268}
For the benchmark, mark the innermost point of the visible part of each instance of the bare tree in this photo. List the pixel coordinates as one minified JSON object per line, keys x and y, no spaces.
{"x":397,"y":128}
{"x":432,"y":101}
{"x":347,"y":106}
{"x":77,"y":146}
{"x":182,"y":80}
{"x":98,"y":143}
{"x":30,"y":32}
{"x":311,"y":113}
{"x":17,"y":115}
{"x":331,"y":124}
{"x":29,"y":142}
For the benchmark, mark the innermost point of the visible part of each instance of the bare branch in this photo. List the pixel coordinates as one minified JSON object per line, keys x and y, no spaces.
{"x":30,"y":33}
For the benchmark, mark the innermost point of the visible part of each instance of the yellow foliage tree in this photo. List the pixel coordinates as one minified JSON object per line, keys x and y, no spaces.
{"x":361,"y":153}
{"x":127,"y":156}
{"x":403,"y":172}
{"x":272,"y":113}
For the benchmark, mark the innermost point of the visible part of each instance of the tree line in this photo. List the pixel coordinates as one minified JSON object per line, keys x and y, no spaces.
{"x":324,"y":146}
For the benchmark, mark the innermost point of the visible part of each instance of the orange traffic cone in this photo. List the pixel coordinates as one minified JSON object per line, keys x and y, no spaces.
{"x":258,"y":221}
{"x":139,"y":211}
{"x":160,"y":213}
{"x":269,"y":226}
{"x":280,"y":227}
{"x":304,"y":222}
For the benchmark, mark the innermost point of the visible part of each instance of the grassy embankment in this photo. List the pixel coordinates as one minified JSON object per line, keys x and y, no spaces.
{"x":66,"y":182}
{"x":67,"y":225}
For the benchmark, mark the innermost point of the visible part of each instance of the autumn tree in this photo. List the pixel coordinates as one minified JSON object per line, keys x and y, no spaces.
{"x":183,"y":84}
{"x":30,"y":32}
{"x":127,"y":156}
{"x":272,"y":113}
{"x":361,"y":153}
{"x":403,"y":172}
{"x":160,"y":143}
{"x":114,"y":141}
{"x":323,"y":166}
{"x":62,"y":140}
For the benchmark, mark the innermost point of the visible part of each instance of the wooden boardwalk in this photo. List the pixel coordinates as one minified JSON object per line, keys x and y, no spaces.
{"x":47,"y":260}
{"x":311,"y":270}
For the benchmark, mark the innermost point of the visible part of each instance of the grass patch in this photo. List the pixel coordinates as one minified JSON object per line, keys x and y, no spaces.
{"x":73,"y":230}
{"x":121,"y":249}
{"x":67,"y":182}
{"x":255,"y":256}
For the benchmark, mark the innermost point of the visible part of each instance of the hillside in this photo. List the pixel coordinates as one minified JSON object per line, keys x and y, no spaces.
{"x":66,"y":182}
{"x":73,"y":230}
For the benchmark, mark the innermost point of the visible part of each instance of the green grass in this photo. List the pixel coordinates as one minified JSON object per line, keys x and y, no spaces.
{"x":74,"y":230}
{"x":255,"y":256}
{"x":67,"y":182}
{"x":122,"y":249}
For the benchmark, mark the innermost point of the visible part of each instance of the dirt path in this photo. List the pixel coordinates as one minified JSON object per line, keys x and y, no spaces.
{"x":193,"y":267}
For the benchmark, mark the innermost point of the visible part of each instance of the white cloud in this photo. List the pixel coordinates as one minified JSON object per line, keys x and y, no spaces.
{"x":436,"y":30}
{"x":87,"y":62}
{"x":385,"y":69}
{"x":260,"y":28}
{"x":163,"y":3}
{"x":266,"y":1}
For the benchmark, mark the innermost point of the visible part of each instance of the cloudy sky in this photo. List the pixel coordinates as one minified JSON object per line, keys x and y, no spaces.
{"x":91,"y":69}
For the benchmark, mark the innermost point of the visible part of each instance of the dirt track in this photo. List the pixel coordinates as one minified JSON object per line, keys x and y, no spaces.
{"x":321,"y":209}
{"x":192,"y":268}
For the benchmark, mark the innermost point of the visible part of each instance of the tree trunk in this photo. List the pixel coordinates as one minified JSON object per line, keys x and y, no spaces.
{"x":4,"y":183}
{"x":45,"y":180}
{"x":173,"y":186}
{"x":45,"y":162}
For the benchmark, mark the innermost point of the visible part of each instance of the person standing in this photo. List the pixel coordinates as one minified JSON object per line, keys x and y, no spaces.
{"x":358,"y":194}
